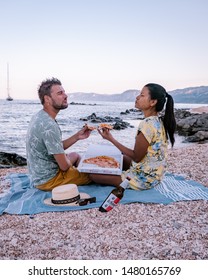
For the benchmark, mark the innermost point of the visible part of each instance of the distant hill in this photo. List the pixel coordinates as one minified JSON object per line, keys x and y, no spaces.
{"x":191,"y":95}
{"x":126,"y":96}
{"x":186,"y":95}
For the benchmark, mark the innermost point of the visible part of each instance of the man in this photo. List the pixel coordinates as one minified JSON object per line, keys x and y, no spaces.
{"x":48,"y":164}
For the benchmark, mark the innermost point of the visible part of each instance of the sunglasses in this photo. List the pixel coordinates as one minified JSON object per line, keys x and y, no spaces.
{"x":86,"y":201}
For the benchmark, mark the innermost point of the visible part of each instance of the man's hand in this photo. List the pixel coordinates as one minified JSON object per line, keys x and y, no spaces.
{"x":80,"y":135}
{"x":83,"y":133}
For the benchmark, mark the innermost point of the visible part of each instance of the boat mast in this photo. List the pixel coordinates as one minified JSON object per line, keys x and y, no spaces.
{"x":9,"y":98}
{"x":8,"y":89}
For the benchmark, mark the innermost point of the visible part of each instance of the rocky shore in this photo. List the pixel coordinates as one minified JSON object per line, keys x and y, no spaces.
{"x":193,"y":124}
{"x":177,"y":231}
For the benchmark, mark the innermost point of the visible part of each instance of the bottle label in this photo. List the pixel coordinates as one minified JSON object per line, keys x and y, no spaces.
{"x":125,"y":183}
{"x":110,"y":202}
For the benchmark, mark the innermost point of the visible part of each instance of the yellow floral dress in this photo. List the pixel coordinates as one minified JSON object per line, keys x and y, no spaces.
{"x":149,"y":171}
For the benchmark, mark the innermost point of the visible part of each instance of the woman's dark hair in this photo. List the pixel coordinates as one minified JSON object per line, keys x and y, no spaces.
{"x":157,"y":92}
{"x":45,"y":88}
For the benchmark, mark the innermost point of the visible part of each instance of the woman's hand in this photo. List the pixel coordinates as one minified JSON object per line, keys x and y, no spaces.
{"x":105,"y":133}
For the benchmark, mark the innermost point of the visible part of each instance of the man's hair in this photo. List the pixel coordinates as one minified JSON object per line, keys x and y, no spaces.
{"x":45,"y":88}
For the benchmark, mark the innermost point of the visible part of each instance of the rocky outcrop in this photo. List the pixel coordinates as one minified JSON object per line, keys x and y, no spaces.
{"x":193,"y":126}
{"x":8,"y":160}
{"x":118,"y":122}
{"x":76,"y":103}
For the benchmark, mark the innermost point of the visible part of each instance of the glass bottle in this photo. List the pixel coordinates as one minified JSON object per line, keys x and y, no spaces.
{"x":115,"y":196}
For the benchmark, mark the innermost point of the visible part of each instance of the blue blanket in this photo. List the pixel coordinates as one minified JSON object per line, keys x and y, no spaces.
{"x":23,"y":198}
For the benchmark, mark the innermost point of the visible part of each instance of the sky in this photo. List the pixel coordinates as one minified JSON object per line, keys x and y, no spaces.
{"x":102,"y":46}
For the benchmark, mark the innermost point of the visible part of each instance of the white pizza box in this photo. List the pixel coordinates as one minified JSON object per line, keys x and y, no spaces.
{"x":101,"y":150}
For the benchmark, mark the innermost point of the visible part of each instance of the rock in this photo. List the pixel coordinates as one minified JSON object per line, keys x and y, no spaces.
{"x":121,"y":125}
{"x":91,"y":117}
{"x":126,"y":112}
{"x":198,"y":137}
{"x":193,"y":126}
{"x":133,"y":113}
{"x":182,"y":113}
{"x":11,"y":159}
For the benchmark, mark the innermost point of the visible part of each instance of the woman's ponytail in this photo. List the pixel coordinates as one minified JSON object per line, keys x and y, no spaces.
{"x":169,"y":119}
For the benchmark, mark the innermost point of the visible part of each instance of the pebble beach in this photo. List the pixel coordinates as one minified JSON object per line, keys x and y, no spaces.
{"x":178,"y":231}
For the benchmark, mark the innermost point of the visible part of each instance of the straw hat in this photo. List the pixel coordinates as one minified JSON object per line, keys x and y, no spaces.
{"x":66,"y":195}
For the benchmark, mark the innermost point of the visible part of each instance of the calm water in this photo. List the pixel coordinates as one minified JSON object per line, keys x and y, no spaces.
{"x":15,"y":117}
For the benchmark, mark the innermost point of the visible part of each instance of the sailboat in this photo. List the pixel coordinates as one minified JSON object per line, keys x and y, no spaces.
{"x":9,"y":98}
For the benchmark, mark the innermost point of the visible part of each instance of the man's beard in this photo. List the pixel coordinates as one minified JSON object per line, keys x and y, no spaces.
{"x":59,"y":107}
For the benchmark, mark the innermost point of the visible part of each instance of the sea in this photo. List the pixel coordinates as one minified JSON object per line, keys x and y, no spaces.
{"x":15,"y":117}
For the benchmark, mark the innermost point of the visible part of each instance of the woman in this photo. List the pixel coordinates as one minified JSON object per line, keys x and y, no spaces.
{"x":147,"y":161}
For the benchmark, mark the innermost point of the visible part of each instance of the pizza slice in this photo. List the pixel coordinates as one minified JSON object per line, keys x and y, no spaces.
{"x":103,"y":161}
{"x":90,"y":127}
{"x":105,"y":125}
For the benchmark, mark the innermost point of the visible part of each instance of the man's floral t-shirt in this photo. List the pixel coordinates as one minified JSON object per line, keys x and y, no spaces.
{"x":43,"y":141}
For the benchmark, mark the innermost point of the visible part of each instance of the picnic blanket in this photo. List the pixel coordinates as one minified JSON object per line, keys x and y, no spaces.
{"x":23,"y":198}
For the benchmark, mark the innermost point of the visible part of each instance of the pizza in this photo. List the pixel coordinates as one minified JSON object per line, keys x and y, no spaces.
{"x":105,"y":125}
{"x":103,"y":161}
{"x":90,"y":127}
{"x":101,"y":126}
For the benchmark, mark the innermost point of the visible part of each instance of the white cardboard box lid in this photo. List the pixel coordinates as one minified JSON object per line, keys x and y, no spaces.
{"x":99,"y":150}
